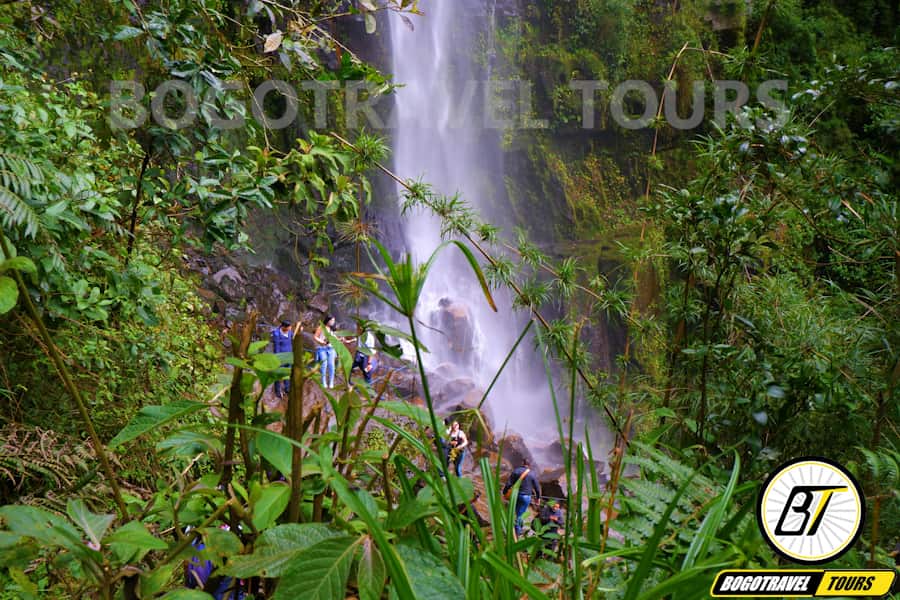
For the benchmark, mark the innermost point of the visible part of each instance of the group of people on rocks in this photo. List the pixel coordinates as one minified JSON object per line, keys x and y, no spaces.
{"x":550,"y":516}
{"x":549,"y":523}
{"x":325,"y":353}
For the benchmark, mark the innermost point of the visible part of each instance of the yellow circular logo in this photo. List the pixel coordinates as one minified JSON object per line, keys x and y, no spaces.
{"x":811,"y":510}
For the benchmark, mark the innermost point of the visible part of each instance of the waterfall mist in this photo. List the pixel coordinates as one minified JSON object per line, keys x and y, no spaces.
{"x":440,"y":137}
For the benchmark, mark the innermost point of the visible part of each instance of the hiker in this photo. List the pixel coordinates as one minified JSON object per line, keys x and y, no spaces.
{"x":457,"y":447}
{"x":365,"y":353}
{"x":282,"y":341}
{"x":325,"y":352}
{"x":552,"y":523}
{"x":527,"y":489}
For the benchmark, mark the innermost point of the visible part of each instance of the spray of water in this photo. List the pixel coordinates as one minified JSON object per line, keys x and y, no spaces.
{"x":434,"y":64}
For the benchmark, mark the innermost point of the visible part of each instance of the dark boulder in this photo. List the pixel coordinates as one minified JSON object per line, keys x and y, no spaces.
{"x":513,"y":450}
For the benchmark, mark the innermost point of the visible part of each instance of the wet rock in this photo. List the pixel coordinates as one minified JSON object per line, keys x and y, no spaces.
{"x":208,"y":295}
{"x":452,"y":392}
{"x":551,"y":457}
{"x":553,"y":474}
{"x":553,"y":488}
{"x":320,"y":303}
{"x":229,"y":283}
{"x":513,"y":450}
{"x":455,"y":320}
{"x":552,"y":454}
{"x":405,"y":382}
{"x":447,"y":371}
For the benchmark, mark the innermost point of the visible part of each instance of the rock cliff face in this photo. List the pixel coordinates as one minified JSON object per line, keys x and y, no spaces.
{"x":232,"y":288}
{"x":454,"y":319}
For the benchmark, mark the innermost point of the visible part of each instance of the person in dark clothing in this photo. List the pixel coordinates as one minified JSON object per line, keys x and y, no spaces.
{"x":528,"y":489}
{"x":364,"y":359}
{"x":282,"y":341}
{"x":552,"y":523}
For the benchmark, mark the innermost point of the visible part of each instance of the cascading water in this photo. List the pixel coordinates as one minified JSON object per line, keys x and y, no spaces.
{"x":441,"y":137}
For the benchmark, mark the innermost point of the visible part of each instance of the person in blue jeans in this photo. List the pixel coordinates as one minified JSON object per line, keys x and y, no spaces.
{"x":456,"y":451}
{"x":282,"y":341}
{"x":528,"y":489}
{"x":325,"y":352}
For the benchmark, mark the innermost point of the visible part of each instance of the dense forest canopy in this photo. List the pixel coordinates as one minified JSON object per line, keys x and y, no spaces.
{"x":725,"y":297}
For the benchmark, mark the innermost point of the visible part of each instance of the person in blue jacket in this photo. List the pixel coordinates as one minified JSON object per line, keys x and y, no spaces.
{"x":282,"y":341}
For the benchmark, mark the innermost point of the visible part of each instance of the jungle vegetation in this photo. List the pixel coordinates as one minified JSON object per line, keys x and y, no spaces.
{"x":753,"y":267}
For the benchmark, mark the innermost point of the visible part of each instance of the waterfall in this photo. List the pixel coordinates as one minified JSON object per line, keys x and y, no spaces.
{"x":440,"y":137}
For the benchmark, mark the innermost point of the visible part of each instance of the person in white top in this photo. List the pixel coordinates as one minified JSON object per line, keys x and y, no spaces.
{"x":458,"y":444}
{"x":325,"y":352}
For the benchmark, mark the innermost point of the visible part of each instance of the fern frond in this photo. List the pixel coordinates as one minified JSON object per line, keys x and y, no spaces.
{"x":17,"y":175}
{"x":15,"y":212}
{"x":884,"y":466}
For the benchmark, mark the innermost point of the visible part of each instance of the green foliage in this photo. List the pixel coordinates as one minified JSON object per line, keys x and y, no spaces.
{"x":760,"y":310}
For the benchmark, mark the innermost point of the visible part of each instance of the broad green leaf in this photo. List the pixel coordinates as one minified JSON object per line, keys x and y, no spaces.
{"x":268,"y":503}
{"x":9,"y":294}
{"x":371,"y":573}
{"x":153,"y":582}
{"x":127,"y":32}
{"x":395,"y":567}
{"x":276,"y":548}
{"x":93,"y":525}
{"x":17,"y":550}
{"x":277,"y":450}
{"x":463,"y":490}
{"x":132,"y":541}
{"x":410,"y":411}
{"x":234,"y":361}
{"x":190,"y":443}
{"x":665,"y":413}
{"x":221,"y":542}
{"x":19,"y":263}
{"x":266,"y":362}
{"x":431,"y":579}
{"x":320,"y":572}
{"x":186,"y":594}
{"x":409,"y":511}
{"x":257,"y":346}
{"x":151,"y":417}
{"x":44,"y":526}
